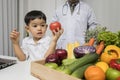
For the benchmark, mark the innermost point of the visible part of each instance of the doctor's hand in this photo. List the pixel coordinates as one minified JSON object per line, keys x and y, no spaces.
{"x":57,"y":34}
{"x":14,"y":36}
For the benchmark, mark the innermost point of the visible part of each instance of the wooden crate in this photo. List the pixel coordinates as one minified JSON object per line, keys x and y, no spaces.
{"x":45,"y":73}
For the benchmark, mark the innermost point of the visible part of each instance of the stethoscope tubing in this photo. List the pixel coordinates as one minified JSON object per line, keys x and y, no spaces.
{"x":65,"y":6}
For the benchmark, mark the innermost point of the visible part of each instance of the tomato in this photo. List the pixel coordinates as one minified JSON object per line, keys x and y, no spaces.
{"x":112,"y":74}
{"x":55,"y":25}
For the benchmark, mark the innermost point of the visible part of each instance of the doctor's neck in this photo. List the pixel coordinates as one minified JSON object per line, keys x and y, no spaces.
{"x":73,"y":1}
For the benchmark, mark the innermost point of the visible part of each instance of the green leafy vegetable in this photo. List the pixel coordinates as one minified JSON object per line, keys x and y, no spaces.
{"x":94,"y":32}
{"x":118,"y":41}
{"x":108,"y":37}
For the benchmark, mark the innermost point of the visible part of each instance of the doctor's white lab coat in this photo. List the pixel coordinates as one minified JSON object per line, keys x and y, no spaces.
{"x":74,"y":24}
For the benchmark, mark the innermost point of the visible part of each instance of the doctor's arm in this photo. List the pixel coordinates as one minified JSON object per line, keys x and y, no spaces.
{"x":92,"y":21}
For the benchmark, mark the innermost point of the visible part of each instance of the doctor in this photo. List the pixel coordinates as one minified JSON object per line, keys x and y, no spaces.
{"x":75,"y":17}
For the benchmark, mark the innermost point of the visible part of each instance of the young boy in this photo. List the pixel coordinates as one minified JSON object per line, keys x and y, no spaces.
{"x":37,"y":45}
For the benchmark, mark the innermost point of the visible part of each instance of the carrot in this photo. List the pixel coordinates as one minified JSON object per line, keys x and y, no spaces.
{"x":100,"y":47}
{"x":91,"y":42}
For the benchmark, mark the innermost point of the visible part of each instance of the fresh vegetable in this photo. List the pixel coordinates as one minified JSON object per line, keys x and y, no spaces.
{"x":118,"y":41}
{"x":57,"y":57}
{"x":63,"y":70}
{"x":112,"y":74}
{"x":68,"y":61}
{"x":79,"y":73}
{"x":53,"y":58}
{"x":88,"y":48}
{"x":103,"y":65}
{"x":51,"y":65}
{"x":110,"y":52}
{"x":106,"y":57}
{"x":100,"y":48}
{"x":91,"y":41}
{"x":76,"y":44}
{"x":94,"y":33}
{"x":94,"y":73}
{"x":118,"y":78}
{"x":111,"y":48}
{"x":55,"y":25}
{"x":70,"y":47}
{"x":80,"y":51}
{"x":115,"y":63}
{"x":62,"y":53}
{"x":88,"y":58}
{"x":108,"y":37}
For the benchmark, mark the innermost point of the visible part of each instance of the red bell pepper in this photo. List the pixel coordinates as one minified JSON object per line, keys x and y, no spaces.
{"x":115,"y":63}
{"x":118,"y":78}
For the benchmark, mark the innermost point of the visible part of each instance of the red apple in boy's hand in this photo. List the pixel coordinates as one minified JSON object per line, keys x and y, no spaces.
{"x":62,"y":53}
{"x":55,"y":25}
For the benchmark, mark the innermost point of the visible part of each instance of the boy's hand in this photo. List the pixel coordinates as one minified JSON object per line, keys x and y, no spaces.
{"x":57,"y":34}
{"x":14,"y":36}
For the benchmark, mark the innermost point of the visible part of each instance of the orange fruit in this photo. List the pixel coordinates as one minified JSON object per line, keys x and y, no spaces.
{"x":94,"y":73}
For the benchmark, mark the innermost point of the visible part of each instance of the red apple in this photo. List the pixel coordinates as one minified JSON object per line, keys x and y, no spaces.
{"x":52,"y":58}
{"x":55,"y":25}
{"x":62,"y":53}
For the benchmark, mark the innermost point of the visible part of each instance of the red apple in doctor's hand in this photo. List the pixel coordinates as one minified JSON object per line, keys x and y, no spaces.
{"x":62,"y":53}
{"x":52,"y":58}
{"x":55,"y":25}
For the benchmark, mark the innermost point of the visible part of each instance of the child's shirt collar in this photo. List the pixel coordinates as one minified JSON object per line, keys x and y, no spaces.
{"x":41,"y":41}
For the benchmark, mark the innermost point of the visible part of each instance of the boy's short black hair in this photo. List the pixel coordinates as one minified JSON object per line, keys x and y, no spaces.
{"x":33,"y":15}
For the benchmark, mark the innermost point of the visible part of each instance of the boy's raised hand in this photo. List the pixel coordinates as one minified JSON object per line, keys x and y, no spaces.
{"x":57,"y":34}
{"x":14,"y":36}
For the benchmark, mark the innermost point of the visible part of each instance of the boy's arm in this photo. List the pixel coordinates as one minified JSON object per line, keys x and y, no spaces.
{"x":51,"y":48}
{"x":53,"y":43}
{"x":14,"y":36}
{"x":18,"y":52}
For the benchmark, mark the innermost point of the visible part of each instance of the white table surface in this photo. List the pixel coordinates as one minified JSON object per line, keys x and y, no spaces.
{"x":19,"y":71}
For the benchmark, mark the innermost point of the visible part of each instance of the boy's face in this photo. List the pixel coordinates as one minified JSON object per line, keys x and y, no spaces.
{"x":37,"y":28}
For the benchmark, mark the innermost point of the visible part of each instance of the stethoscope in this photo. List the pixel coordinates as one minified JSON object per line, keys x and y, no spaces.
{"x":65,"y":6}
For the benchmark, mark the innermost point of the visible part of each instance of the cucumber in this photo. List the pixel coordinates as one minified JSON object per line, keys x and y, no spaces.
{"x":68,"y":61}
{"x":79,"y":73}
{"x":88,"y":58}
